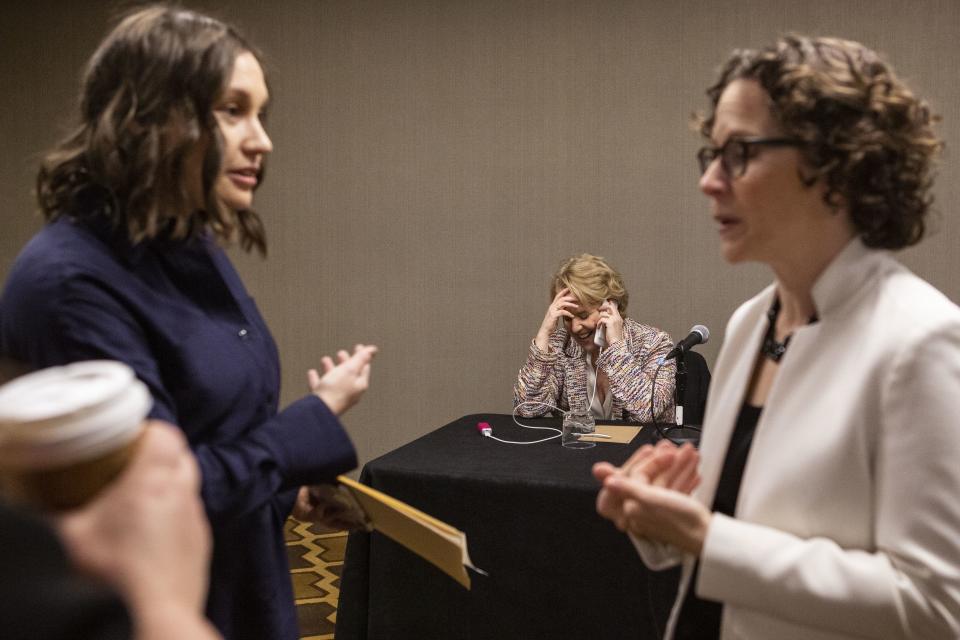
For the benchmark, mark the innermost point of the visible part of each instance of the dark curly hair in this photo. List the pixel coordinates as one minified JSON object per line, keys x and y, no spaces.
{"x":864,"y":132}
{"x":146,"y":103}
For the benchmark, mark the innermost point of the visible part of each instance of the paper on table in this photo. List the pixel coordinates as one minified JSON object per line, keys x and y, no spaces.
{"x":621,"y":434}
{"x":437,"y":542}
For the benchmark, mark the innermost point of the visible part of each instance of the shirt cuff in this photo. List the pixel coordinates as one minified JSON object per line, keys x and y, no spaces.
{"x":656,"y":555}
{"x":548,"y":356}
{"x":314,"y":445}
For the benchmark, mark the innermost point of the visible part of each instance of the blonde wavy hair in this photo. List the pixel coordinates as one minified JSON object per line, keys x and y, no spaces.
{"x":591,"y":280}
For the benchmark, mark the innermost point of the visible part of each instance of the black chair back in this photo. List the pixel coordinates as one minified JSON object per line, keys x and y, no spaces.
{"x":698,"y":383}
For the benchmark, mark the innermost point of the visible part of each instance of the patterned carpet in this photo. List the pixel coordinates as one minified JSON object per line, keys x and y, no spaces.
{"x":316,"y":560}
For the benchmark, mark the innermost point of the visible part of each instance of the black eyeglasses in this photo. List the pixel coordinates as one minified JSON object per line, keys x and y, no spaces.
{"x":735,"y":153}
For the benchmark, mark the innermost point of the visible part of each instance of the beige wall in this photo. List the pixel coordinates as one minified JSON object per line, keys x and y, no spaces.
{"x":435,"y":160}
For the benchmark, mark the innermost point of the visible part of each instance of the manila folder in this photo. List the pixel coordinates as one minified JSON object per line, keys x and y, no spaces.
{"x":435,"y":541}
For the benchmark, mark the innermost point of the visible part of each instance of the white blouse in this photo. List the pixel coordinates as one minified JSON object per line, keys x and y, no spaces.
{"x":604,"y":410}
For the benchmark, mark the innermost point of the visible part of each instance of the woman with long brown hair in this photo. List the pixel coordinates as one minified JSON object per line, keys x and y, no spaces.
{"x":160,"y":171}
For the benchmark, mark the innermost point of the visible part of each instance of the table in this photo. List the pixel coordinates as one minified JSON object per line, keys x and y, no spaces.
{"x":558,"y":571}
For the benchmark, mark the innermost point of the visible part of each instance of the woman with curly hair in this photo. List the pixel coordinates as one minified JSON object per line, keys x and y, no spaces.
{"x":826,"y":501}
{"x":613,"y":377}
{"x":159,"y":173}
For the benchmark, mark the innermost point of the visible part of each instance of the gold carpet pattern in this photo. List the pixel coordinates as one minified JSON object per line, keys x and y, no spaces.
{"x":316,"y":560}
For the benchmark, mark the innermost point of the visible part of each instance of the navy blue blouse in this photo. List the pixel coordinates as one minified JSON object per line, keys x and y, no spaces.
{"x":178,"y":314}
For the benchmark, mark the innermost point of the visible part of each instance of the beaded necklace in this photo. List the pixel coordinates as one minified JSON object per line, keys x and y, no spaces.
{"x":771,"y":347}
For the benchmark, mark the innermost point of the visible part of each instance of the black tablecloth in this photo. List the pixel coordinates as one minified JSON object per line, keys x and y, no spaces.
{"x":557,"y":570}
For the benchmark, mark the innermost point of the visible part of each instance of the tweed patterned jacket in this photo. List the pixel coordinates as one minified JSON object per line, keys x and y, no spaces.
{"x":559,"y":375}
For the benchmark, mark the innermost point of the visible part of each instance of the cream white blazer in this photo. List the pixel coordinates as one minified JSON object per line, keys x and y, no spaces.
{"x":848,"y":518}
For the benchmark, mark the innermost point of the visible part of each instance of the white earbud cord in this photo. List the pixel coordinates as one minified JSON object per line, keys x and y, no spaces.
{"x":528,"y":426}
{"x":549,"y":406}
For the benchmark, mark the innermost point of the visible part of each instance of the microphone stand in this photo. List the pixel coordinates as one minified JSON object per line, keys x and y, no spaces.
{"x":681,"y":433}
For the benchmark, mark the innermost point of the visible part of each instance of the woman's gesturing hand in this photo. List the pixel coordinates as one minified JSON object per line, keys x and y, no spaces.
{"x":560,"y":307}
{"x":343,"y":383}
{"x":658,"y":513}
{"x":649,"y":495}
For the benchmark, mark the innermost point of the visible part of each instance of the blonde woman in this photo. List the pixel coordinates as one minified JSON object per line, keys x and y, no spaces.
{"x":566,"y":365}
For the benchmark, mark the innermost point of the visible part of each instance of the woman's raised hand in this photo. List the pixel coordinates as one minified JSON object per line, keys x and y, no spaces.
{"x":649,"y":495}
{"x":611,"y":318}
{"x":659,"y":513}
{"x":560,"y":307}
{"x":343,"y":383}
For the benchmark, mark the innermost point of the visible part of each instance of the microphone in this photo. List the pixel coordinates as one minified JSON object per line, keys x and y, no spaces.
{"x":699,"y":334}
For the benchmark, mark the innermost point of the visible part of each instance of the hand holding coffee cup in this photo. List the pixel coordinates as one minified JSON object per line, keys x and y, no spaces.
{"x":66,"y":432}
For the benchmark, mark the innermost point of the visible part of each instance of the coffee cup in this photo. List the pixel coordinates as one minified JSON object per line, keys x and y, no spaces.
{"x":66,"y":432}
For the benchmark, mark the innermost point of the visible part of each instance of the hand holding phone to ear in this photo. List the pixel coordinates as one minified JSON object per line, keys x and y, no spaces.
{"x":610,"y":326}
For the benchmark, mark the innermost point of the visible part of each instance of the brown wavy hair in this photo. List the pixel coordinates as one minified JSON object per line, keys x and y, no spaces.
{"x":146,"y":103}
{"x":591,"y":280}
{"x":865,"y":133}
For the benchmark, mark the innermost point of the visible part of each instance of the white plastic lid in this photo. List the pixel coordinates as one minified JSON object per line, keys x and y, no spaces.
{"x":69,"y":414}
